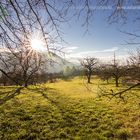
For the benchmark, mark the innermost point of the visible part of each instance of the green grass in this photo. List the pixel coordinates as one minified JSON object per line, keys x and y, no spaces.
{"x":68,"y":110}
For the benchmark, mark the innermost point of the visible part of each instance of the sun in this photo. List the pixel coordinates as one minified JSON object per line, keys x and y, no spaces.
{"x":37,"y":45}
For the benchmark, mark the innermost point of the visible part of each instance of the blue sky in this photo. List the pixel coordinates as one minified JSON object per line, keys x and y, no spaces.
{"x":102,"y":40}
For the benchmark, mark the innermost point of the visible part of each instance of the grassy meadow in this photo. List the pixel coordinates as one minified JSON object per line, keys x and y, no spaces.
{"x":69,"y":110}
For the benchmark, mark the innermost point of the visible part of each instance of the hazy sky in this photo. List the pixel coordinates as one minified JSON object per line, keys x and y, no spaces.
{"x":102,"y":39}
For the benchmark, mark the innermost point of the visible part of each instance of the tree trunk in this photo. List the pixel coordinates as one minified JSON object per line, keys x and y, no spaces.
{"x":107,"y":81}
{"x":26,"y":84}
{"x":117,"y":81}
{"x":89,"y":77}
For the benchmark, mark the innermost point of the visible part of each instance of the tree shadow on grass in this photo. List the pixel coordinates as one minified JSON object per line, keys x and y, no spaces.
{"x":9,"y":95}
{"x":43,"y":90}
{"x":105,"y":83}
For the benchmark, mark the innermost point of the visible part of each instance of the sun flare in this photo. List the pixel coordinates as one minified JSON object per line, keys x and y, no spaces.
{"x":37,"y":45}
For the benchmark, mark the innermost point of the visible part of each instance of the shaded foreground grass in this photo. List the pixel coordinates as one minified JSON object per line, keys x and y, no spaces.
{"x":67,"y":110}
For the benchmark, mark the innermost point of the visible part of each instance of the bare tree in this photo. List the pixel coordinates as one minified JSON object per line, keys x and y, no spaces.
{"x":22,"y":21}
{"x":133,"y":71}
{"x":116,"y":70}
{"x":134,"y":65}
{"x":89,"y":65}
{"x":20,"y":67}
{"x":104,"y":72}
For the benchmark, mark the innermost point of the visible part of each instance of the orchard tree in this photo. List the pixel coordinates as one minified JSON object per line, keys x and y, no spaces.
{"x":89,"y":65}
{"x":23,"y":36}
{"x":133,"y":62}
{"x":20,"y":67}
{"x":104,"y":72}
{"x":117,"y":70}
{"x":132,"y":70}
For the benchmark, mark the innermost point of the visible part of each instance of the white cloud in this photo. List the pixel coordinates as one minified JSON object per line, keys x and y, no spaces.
{"x":70,"y":49}
{"x":110,"y":50}
{"x":105,"y":55}
{"x":90,"y":53}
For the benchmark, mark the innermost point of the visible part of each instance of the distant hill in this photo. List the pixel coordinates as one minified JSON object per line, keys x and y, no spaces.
{"x":58,"y":63}
{"x":54,"y":63}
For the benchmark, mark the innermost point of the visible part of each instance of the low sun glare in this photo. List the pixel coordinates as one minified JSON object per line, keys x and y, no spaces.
{"x":37,"y":45}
